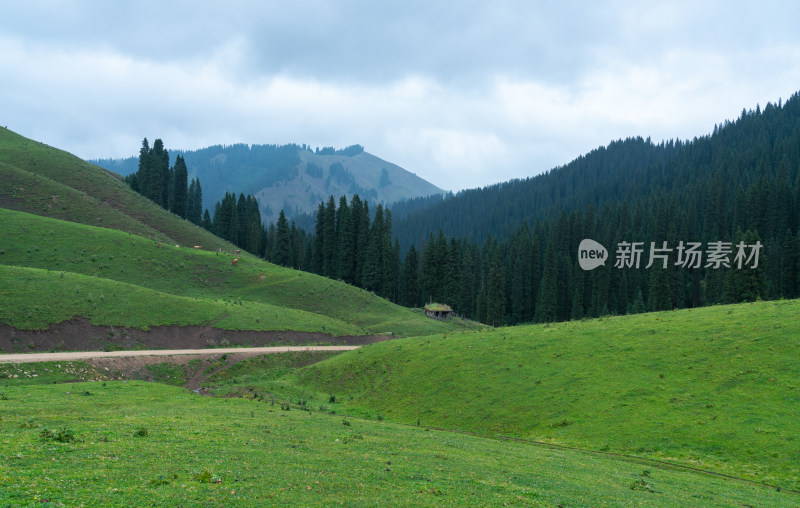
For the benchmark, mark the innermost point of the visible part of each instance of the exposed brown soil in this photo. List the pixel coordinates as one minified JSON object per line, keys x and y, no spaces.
{"x":135,"y":367}
{"x":81,"y":335}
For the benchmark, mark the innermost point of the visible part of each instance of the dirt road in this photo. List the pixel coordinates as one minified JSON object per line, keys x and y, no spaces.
{"x":86,"y":355}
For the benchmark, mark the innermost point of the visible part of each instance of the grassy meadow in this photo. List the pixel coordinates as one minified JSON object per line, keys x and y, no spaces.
{"x":105,"y":254}
{"x":718,"y":387}
{"x":32,"y":299}
{"x":606,"y":412}
{"x":116,"y":443}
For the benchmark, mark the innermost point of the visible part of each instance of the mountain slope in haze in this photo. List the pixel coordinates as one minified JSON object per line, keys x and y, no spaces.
{"x":43,"y":180}
{"x":292,"y":178}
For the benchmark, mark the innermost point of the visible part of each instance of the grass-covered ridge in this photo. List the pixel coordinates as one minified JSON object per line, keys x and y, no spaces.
{"x":33,"y":299}
{"x":715,"y":387}
{"x":50,"y":244}
{"x":45,"y":181}
{"x":135,"y":443}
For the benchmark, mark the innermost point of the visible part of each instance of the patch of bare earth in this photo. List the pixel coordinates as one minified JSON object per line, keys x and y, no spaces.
{"x":81,"y":335}
{"x":135,"y":367}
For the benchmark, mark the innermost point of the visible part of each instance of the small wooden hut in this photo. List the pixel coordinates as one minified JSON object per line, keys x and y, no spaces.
{"x":438,"y":310}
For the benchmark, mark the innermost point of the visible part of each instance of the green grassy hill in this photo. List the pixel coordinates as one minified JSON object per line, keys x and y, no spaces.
{"x":33,"y":299}
{"x":717,"y":387}
{"x":45,"y":182}
{"x":60,"y":246}
{"x":112,"y":443}
{"x":42,"y":180}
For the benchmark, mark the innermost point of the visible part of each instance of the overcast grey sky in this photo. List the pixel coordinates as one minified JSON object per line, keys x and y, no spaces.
{"x":464,"y":94}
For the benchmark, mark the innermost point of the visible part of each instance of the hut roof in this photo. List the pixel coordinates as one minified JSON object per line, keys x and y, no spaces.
{"x":438,"y":307}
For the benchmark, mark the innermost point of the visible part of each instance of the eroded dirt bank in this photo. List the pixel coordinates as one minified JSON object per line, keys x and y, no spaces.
{"x":82,"y":335}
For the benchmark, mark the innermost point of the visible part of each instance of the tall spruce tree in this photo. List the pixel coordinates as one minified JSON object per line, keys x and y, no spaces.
{"x":409,"y":283}
{"x":282,"y":252}
{"x":346,"y":242}
{"x":496,"y":293}
{"x":546,"y":302}
{"x":329,"y":268}
{"x":372,"y":276}
{"x":179,"y":188}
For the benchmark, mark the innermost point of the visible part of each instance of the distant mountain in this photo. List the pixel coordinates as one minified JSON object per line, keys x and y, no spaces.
{"x":292,"y":177}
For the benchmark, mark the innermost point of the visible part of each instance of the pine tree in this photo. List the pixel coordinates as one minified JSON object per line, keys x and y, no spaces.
{"x":190,"y":203}
{"x":409,"y":281}
{"x":361,"y":223}
{"x":638,"y":306}
{"x":745,"y":284}
{"x":372,"y":275}
{"x":226,"y":219}
{"x":496,"y":294}
{"x":252,"y":228}
{"x":318,"y":256}
{"x":390,"y":259}
{"x":535,"y":270}
{"x":282,"y":250}
{"x":392,"y":285}
{"x":345,"y":253}
{"x":206,"y":222}
{"x":467,"y":286}
{"x":198,"y":201}
{"x":546,"y":302}
{"x":158,"y":172}
{"x":451,"y":272}
{"x":329,"y":244}
{"x":142,"y":180}
{"x":179,"y":189}
{"x":430,"y":279}
{"x":577,"y":295}
{"x":789,"y":260}
{"x":298,"y":250}
{"x":241,"y":221}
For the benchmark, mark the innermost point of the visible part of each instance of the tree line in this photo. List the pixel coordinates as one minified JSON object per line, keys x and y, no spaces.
{"x":166,"y":186}
{"x":509,"y":253}
{"x":514,"y":255}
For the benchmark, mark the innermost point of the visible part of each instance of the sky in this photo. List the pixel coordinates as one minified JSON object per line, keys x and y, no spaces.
{"x":464,"y":94}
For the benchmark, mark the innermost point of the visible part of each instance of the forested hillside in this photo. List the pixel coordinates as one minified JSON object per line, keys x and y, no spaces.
{"x":508,"y":253}
{"x":715,"y":172}
{"x":686,"y":224}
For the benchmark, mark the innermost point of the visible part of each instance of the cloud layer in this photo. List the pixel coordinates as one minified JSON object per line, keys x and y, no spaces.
{"x":463,"y":95}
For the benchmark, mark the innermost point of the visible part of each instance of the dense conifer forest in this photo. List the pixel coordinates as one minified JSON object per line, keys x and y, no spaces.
{"x":508,"y":253}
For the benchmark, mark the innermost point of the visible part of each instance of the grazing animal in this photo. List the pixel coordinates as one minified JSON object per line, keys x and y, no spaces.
{"x":159,"y":245}
{"x":237,"y":251}
{"x":198,"y":246}
{"x":234,"y":261}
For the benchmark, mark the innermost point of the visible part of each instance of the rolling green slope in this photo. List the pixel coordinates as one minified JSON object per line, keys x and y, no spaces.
{"x":717,"y":387}
{"x":50,"y":244}
{"x":133,"y":443}
{"x":32,"y":299}
{"x":42,"y":180}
